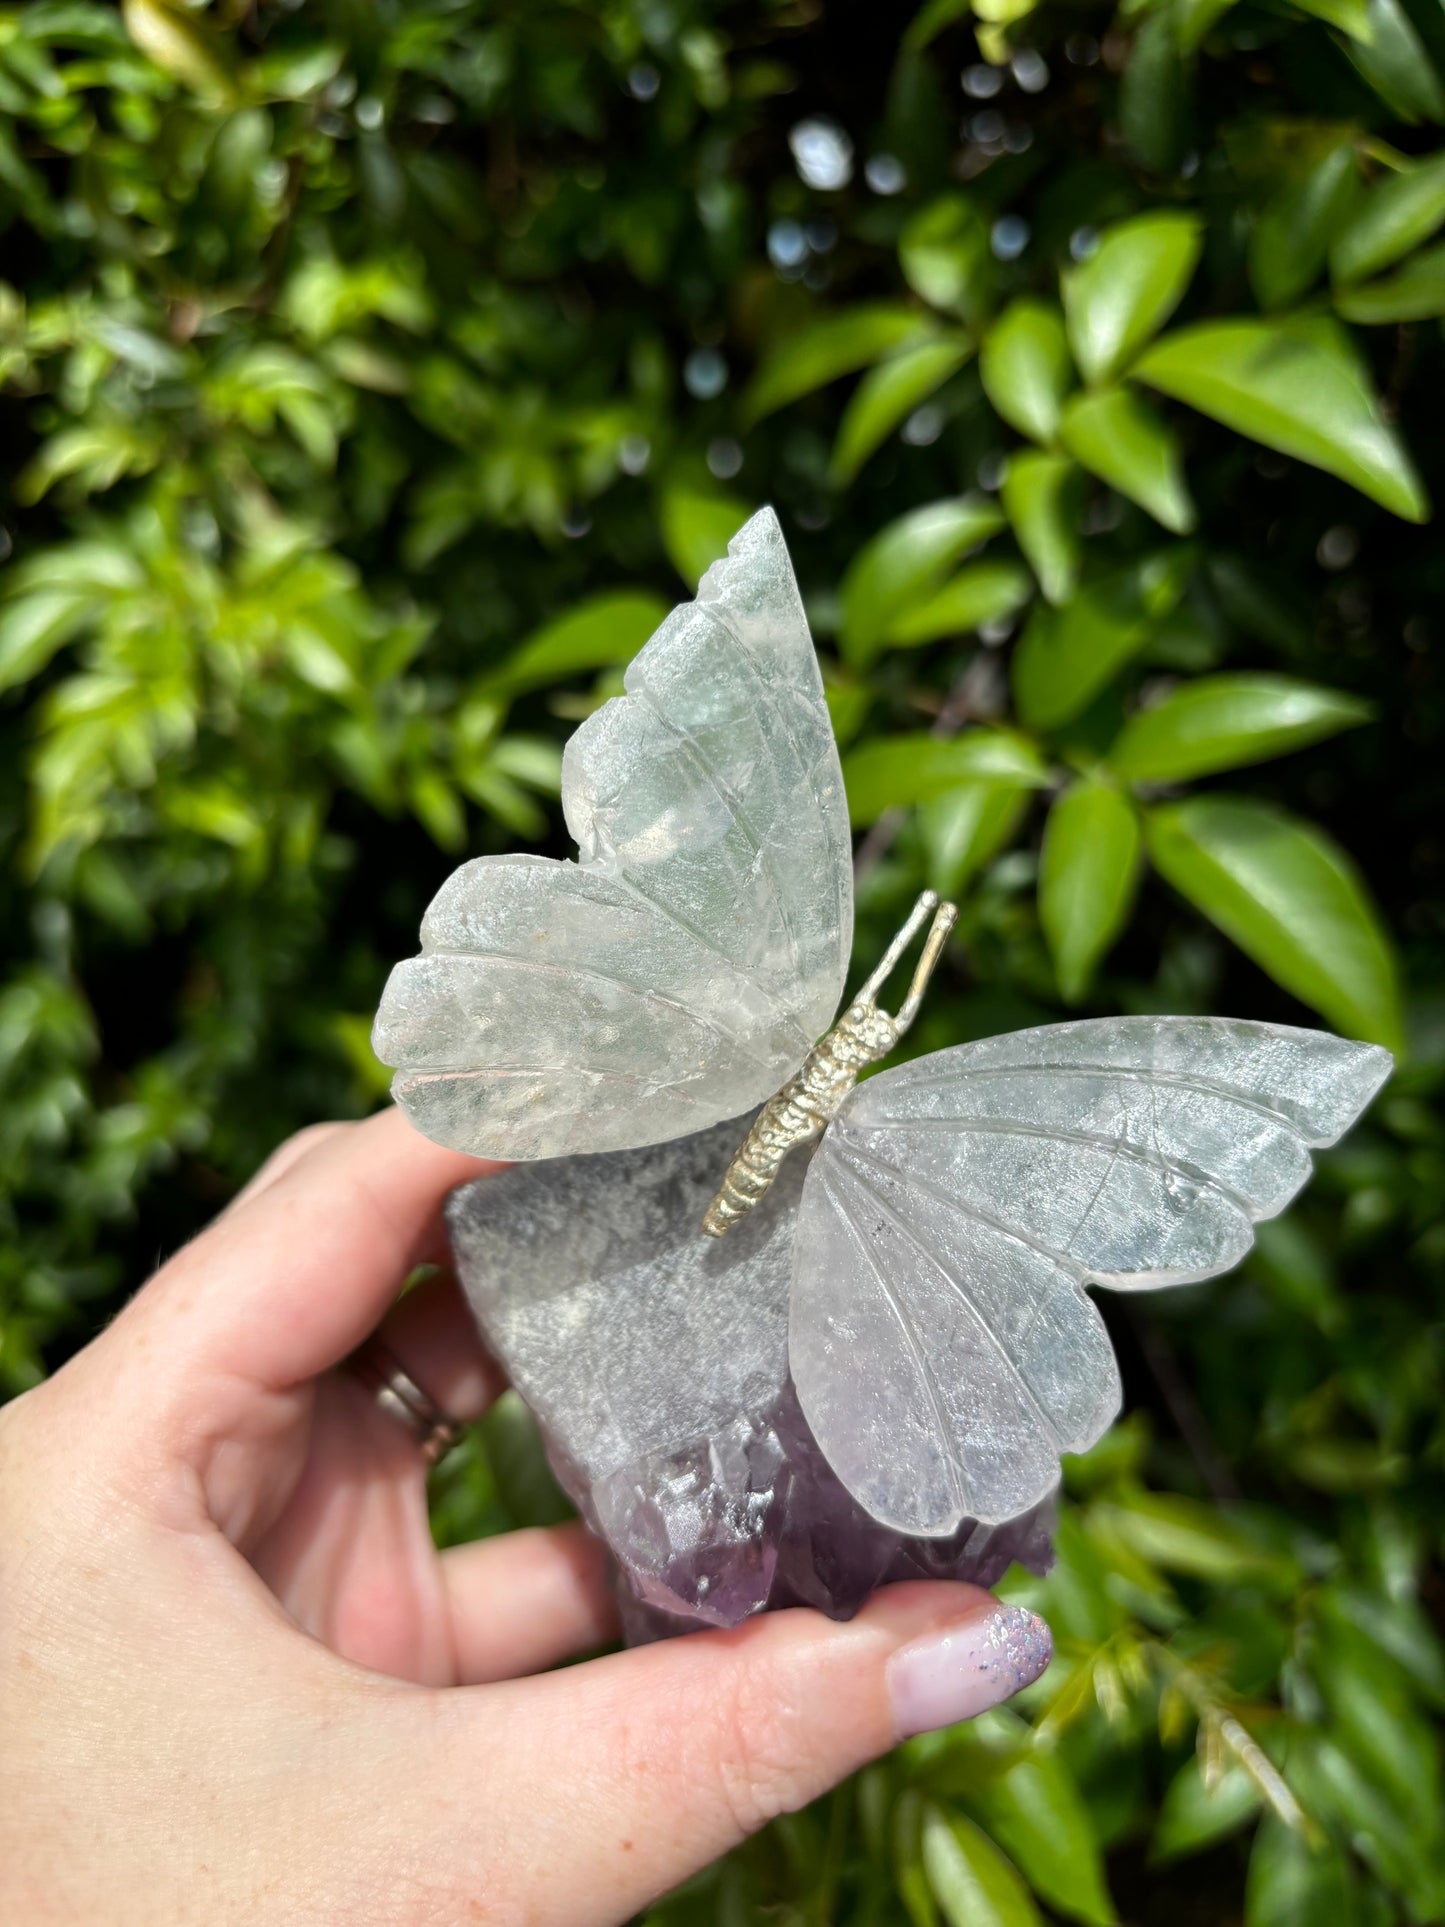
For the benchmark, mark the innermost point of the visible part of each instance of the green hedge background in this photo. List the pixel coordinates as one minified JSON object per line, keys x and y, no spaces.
{"x":376,"y":373}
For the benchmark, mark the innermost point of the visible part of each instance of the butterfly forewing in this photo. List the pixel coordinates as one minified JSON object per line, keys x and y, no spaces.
{"x":958,"y":1204}
{"x":680,"y":970}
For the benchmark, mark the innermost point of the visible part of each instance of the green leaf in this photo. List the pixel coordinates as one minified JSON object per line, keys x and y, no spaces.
{"x":1042,"y":498}
{"x":518,"y":1460}
{"x":1186,"y":1535}
{"x":35,"y":626}
{"x":181,"y":45}
{"x":1295,"y":1884}
{"x":594,"y":634}
{"x":974,"y":1884}
{"x":1026,"y":368}
{"x":1088,"y":875}
{"x":1037,"y":1815}
{"x":1350,"y":16}
{"x":821,"y":353}
{"x":1194,"y":1815}
{"x":966,"y":827}
{"x":904,"y":564}
{"x":1224,"y":722}
{"x":888,"y":395}
{"x":1391,"y":218}
{"x":1392,"y":58}
{"x":1068,"y":655}
{"x":697,"y":526}
{"x":1291,"y":900}
{"x":1127,"y":289}
{"x":945,"y":257}
{"x":982,"y":592}
{"x":1416,"y":293}
{"x":1291,"y":239}
{"x":1117,"y":436}
{"x":1298,"y":387}
{"x":1156,"y":96}
{"x":895,"y":771}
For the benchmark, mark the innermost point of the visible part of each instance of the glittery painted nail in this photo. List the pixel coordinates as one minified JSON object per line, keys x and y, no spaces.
{"x":964,"y":1670}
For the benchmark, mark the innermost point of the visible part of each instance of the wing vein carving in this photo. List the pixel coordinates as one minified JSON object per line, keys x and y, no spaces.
{"x":957,"y":1482}
{"x":946,"y":1271}
{"x":1151,"y":1080}
{"x":1057,"y":1134}
{"x":690,"y":747}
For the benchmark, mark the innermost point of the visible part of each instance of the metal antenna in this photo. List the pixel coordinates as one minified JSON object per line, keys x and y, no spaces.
{"x":945,"y":917}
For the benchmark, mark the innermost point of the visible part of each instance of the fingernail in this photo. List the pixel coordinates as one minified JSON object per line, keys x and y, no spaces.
{"x":964,"y":1670}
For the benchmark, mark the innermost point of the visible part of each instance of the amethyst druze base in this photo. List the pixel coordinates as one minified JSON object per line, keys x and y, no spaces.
{"x":656,"y":1362}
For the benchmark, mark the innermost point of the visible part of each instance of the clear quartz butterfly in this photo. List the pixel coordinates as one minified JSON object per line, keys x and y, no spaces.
{"x":942,"y":1344}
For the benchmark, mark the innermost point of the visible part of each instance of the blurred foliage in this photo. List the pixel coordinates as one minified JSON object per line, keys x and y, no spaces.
{"x":376,"y":374}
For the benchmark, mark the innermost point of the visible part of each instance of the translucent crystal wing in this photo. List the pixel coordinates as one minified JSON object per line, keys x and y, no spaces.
{"x":942,"y":1344}
{"x":679,"y":971}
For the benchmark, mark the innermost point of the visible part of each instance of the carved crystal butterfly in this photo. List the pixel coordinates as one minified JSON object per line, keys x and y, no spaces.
{"x":942,"y":1343}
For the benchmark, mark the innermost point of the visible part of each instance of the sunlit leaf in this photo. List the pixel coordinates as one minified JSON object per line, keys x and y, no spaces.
{"x":1116,"y":435}
{"x":914,"y":766}
{"x":1416,"y":292}
{"x":945,"y":257}
{"x":967,"y":826}
{"x":904,"y":564}
{"x":1067,"y":655}
{"x":1290,"y":898}
{"x":1088,"y":874}
{"x":697,"y":526}
{"x":888,"y":395}
{"x":825,"y":350}
{"x":1225,"y":722}
{"x":1290,"y":241}
{"x":1295,"y":386}
{"x":1041,"y":494}
{"x":1122,"y":295}
{"x":1038,"y":1816}
{"x":1026,"y":368}
{"x":981,"y":592}
{"x":1391,"y":57}
{"x":1391,"y":218}
{"x":594,"y":634}
{"x":974,"y":1884}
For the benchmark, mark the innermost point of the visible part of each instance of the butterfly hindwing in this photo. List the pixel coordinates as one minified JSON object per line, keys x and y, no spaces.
{"x":958,"y":1205}
{"x":679,"y":971}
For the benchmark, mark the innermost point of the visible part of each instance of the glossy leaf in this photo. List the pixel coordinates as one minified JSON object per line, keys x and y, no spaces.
{"x":1294,"y":1882}
{"x":1088,"y":874}
{"x":945,"y":257}
{"x":1026,"y":368}
{"x":1297,"y":387}
{"x":1041,"y":495}
{"x":1037,"y":1815}
{"x":1195,"y":1815}
{"x":1119,"y":437}
{"x":826,"y":350}
{"x":1391,"y":57}
{"x":910,"y":768}
{"x":974,"y":1884}
{"x":1290,"y":241}
{"x":967,"y":826}
{"x":1415,"y":293}
{"x":1156,"y":96}
{"x":1121,"y":296}
{"x":904,"y":564}
{"x":597,"y":633}
{"x":1290,"y":898}
{"x":1225,"y":722}
{"x":982,"y":592}
{"x":888,"y":395}
{"x":697,"y":526}
{"x":1068,"y":655}
{"x":1394,"y":216}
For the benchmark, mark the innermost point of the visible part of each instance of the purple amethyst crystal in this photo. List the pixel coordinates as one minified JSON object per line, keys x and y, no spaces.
{"x":656,"y":1361}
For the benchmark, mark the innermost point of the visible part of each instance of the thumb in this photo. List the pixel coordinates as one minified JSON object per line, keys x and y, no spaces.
{"x":643,"y":1767}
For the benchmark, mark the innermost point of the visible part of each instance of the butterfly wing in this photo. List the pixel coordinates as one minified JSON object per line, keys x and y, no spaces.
{"x":943,"y":1347}
{"x":679,"y":971}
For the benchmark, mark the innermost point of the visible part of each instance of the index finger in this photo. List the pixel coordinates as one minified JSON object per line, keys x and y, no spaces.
{"x":294,"y":1276}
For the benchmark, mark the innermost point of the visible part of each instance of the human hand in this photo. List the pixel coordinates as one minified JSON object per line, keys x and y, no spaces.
{"x":239,"y":1683}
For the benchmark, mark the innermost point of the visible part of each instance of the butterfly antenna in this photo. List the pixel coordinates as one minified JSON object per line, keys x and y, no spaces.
{"x":945,"y":916}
